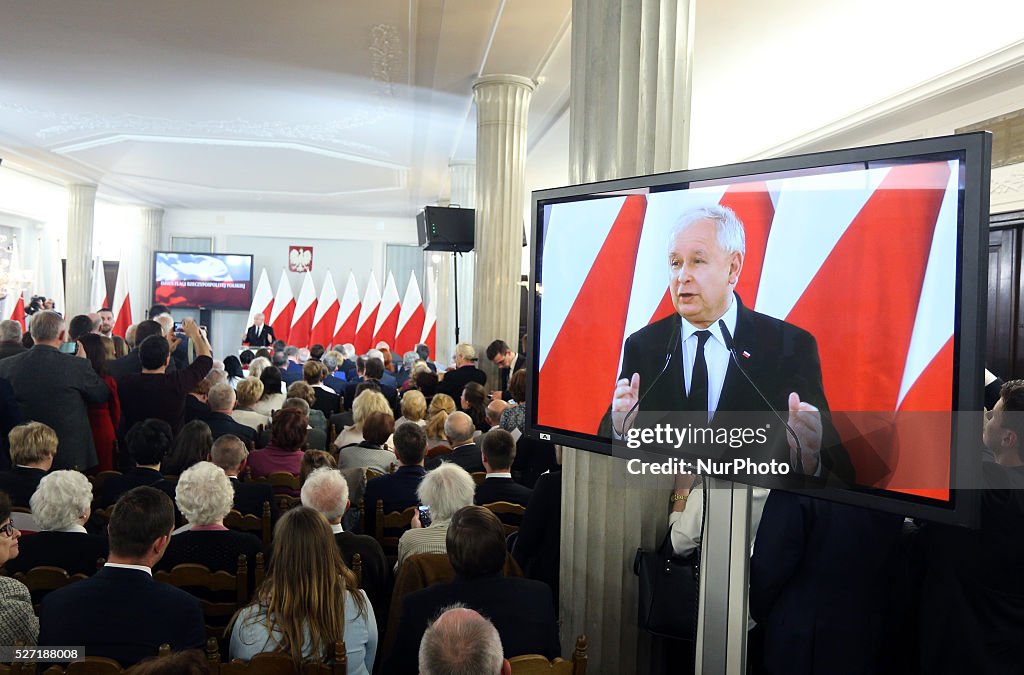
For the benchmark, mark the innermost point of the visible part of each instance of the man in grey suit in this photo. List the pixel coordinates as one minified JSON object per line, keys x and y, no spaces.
{"x":56,"y":389}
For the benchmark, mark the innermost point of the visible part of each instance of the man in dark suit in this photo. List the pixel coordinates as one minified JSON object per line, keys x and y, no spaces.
{"x":521,"y":609}
{"x":508,"y":362}
{"x":326,"y":491}
{"x":10,"y":338}
{"x":148,"y":442}
{"x":221,"y":400}
{"x":131,"y":363}
{"x":33,"y":447}
{"x":332,"y":381}
{"x":398,"y":490}
{"x":259,"y":334}
{"x":373,"y":371}
{"x":229,"y":453}
{"x":499,"y":450}
{"x":121,"y":612}
{"x":706,"y":250}
{"x":56,"y":389}
{"x":455,"y":381}
{"x":459,"y":429}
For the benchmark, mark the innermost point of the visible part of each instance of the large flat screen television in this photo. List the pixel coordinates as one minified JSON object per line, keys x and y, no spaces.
{"x":854,"y":279}
{"x":202,"y":280}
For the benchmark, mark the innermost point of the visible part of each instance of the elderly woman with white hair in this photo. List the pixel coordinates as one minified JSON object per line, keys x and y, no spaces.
{"x":443,"y":491}
{"x":204,"y":496}
{"x":61,"y":507}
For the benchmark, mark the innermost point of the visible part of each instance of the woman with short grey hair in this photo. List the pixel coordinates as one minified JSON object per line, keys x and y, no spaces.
{"x":204,"y":495}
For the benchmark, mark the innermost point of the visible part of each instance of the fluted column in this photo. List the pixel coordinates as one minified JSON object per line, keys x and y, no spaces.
{"x":628,"y":116}
{"x":152,"y":237}
{"x":502,"y":103}
{"x":81,"y":210}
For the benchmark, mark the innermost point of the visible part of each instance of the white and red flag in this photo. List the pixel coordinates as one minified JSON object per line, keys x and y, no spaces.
{"x":410,"y":319}
{"x":326,"y":314}
{"x":305,"y":308}
{"x":367,"y":316}
{"x":284,"y":308}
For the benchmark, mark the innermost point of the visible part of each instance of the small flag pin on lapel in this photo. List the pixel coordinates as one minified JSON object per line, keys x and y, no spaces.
{"x":746,"y":354}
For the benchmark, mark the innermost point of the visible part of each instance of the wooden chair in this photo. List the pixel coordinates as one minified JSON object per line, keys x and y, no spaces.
{"x":439,"y":450}
{"x":45,"y":578}
{"x":99,"y":479}
{"x":250,"y":523}
{"x":272,"y":663}
{"x":479,"y":477}
{"x":396,"y":520}
{"x":204,"y":584}
{"x":97,"y":665}
{"x":511,"y":515}
{"x":357,"y":568}
{"x":534,"y":664}
{"x":372,"y":473}
{"x":332,"y":434}
{"x":286,"y":488}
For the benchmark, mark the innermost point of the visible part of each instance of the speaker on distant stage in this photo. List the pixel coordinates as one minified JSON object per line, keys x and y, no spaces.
{"x":442,"y":228}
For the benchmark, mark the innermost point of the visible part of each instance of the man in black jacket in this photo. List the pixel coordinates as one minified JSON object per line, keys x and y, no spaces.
{"x":229,"y":453}
{"x":499,"y":450}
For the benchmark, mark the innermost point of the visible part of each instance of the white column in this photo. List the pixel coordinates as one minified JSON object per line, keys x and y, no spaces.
{"x":81,"y":210}
{"x":152,"y":237}
{"x":628,"y":116}
{"x":502,"y":103}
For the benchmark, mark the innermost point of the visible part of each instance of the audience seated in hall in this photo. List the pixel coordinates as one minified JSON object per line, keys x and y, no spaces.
{"x":60,"y":508}
{"x":474,"y":403}
{"x":462,"y":641}
{"x":191,"y":445}
{"x":368,"y":401}
{"x":33,"y":446}
{"x":121,"y":612}
{"x":335,"y":379}
{"x":459,"y":429}
{"x":373,"y":373}
{"x":371,"y":452}
{"x":248,"y":392}
{"x":284,"y":453}
{"x":326,"y":491}
{"x":308,"y":600}
{"x":156,"y":393}
{"x":499,"y":451}
{"x":521,"y":609}
{"x":148,"y":443}
{"x":414,"y":408}
{"x":313,"y":460}
{"x":398,"y":490}
{"x":229,"y":454}
{"x":444,"y":491}
{"x":273,"y":392}
{"x":326,"y":400}
{"x":495,"y":409}
{"x":441,"y":406}
{"x":221,"y":400}
{"x":302,"y":390}
{"x":204,"y":496}
{"x":56,"y":389}
{"x":316,"y":439}
{"x":17,"y":619}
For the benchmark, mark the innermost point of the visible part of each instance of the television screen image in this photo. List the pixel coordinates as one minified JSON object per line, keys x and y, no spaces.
{"x":856,"y":283}
{"x":209,"y":280}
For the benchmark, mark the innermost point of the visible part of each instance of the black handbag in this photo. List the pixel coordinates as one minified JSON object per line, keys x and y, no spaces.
{"x":668,"y":591}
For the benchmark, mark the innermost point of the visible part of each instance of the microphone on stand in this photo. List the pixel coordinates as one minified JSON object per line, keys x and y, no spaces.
{"x":669,"y":351}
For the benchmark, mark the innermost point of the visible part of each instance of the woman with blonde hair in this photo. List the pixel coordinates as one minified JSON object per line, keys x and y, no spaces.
{"x":441,"y":406}
{"x":369,"y":401}
{"x":248,"y":393}
{"x":414,"y":408}
{"x":308,"y":601}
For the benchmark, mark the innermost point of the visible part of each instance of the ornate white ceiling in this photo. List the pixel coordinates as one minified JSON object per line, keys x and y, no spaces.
{"x":325,"y":106}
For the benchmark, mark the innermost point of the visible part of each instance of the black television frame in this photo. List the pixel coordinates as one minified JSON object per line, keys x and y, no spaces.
{"x":252,"y":281}
{"x":970,"y":311}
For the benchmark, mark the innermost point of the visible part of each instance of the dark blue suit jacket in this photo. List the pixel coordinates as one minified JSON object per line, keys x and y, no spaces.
{"x":398,"y":490}
{"x":122,"y":614}
{"x":221,"y":424}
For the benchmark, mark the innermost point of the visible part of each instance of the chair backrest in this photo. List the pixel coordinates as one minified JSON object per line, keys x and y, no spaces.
{"x":286,"y":488}
{"x":438,"y":450}
{"x":45,"y":578}
{"x":357,"y":568}
{"x":510,"y":514}
{"x":250,"y":523}
{"x":372,"y":473}
{"x":99,"y":479}
{"x":211,"y":588}
{"x":479,"y":477}
{"x":534,"y":664}
{"x":274,"y":663}
{"x":396,"y":521}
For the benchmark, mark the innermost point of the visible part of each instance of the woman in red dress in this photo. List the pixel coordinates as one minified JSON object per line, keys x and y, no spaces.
{"x":103,"y":417}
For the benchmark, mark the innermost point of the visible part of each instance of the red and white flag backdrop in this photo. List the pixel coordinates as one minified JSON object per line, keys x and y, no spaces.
{"x":348,"y":313}
{"x":864,"y":260}
{"x":121,"y":305}
{"x":280,"y":318}
{"x":326,"y":314}
{"x":262,"y":300}
{"x":410,"y":319}
{"x":305,"y":309}
{"x":387,"y":317}
{"x":368,"y":316}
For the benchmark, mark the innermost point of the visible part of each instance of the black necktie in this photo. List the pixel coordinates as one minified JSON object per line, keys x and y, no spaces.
{"x":698,"y":398}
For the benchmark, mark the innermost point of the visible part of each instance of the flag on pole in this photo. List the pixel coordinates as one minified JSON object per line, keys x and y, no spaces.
{"x":284,"y":307}
{"x":326,"y":313}
{"x":429,"y":334}
{"x":98,"y":296}
{"x":348,"y":313}
{"x":367,"y":316}
{"x":387,"y":317}
{"x":410,"y":319}
{"x":121,"y":306}
{"x":305,"y":308}
{"x":14,"y":304}
{"x":262,"y":300}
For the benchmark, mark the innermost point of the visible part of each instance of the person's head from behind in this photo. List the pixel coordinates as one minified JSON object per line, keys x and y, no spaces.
{"x":368,"y":402}
{"x":313,"y":372}
{"x":248,"y":392}
{"x":473,"y":397}
{"x":33,"y":444}
{"x":47,"y":328}
{"x":258,"y":365}
{"x":705,"y":257}
{"x":316,"y":351}
{"x":233,"y":366}
{"x":140,"y":526}
{"x":191,"y":445}
{"x":79,"y":326}
{"x":414,"y":405}
{"x":154,"y":352}
{"x":499,"y":353}
{"x":517,"y":386}
{"x":445,"y":490}
{"x":465,"y":354}
{"x":378,"y":427}
{"x":229,"y":454}
{"x":313,"y":460}
{"x":462,"y":642}
{"x":326,"y":491}
{"x":279,"y":359}
{"x":426,"y":381}
{"x":302,"y":390}
{"x":459,"y":428}
{"x":476,"y":543}
{"x":494,"y":410}
{"x":374,"y":369}
{"x":304,"y":592}
{"x":10,"y":331}
{"x":62,"y":500}
{"x":297,"y":404}
{"x":145,"y":329}
{"x":330,"y":362}
{"x":498,"y":448}
{"x":423,"y":351}
{"x":204,"y":494}
{"x":221,"y":398}
{"x":410,"y":443}
{"x":1003,"y":432}
{"x":149,"y":441}
{"x":288,"y":430}
{"x":271,"y":379}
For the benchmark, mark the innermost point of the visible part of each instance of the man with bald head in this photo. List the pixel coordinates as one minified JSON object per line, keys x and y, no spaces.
{"x":461,"y":642}
{"x":459,"y":430}
{"x":683,"y":362}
